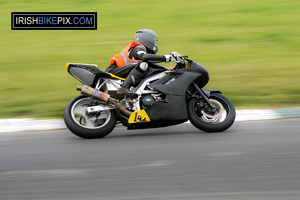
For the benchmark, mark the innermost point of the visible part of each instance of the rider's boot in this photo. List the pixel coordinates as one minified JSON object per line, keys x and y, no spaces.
{"x":133,"y":77}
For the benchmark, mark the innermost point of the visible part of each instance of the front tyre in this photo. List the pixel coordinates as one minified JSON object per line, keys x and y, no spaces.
{"x":85,"y":126}
{"x":211,"y":122}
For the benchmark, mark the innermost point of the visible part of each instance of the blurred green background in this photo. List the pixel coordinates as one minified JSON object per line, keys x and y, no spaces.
{"x":251,"y":49}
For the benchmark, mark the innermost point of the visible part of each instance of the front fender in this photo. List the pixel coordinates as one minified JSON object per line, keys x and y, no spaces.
{"x":210,"y":91}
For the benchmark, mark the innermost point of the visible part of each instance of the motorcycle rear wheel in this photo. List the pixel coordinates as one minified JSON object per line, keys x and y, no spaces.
{"x":85,"y":126}
{"x":212,"y":122}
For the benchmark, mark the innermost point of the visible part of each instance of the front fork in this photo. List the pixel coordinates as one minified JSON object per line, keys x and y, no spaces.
{"x":211,"y":107}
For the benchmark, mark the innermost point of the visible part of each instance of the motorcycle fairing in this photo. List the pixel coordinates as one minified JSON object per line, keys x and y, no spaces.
{"x":174,"y":86}
{"x":175,"y":83}
{"x":172,"y":110}
{"x":201,"y":80}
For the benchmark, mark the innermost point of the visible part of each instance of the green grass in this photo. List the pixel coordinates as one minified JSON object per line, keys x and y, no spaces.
{"x":251,"y":49}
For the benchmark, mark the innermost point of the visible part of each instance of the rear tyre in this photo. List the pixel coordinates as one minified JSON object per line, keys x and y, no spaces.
{"x":212,"y":122}
{"x":85,"y":126}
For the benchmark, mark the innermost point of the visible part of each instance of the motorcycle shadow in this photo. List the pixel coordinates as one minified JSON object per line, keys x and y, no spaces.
{"x":178,"y":130}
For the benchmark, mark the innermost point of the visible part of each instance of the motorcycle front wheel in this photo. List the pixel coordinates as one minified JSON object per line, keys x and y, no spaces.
{"x":88,"y":127}
{"x":212,"y":122}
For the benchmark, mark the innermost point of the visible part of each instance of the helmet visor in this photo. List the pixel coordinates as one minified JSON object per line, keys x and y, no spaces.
{"x":155,"y":47}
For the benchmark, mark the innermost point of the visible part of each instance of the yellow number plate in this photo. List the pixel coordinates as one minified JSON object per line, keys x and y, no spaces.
{"x":138,"y":116}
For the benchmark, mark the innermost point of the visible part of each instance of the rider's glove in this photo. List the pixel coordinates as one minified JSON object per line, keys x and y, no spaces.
{"x":173,"y":57}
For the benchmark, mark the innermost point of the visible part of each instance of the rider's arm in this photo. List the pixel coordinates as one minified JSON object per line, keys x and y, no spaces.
{"x":173,"y":57}
{"x":137,"y":52}
{"x":153,"y":58}
{"x":140,"y":53}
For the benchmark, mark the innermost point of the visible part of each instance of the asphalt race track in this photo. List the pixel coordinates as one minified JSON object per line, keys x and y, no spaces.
{"x":253,"y":160}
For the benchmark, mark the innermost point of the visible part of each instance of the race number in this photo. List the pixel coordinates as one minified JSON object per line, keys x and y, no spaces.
{"x":138,"y":116}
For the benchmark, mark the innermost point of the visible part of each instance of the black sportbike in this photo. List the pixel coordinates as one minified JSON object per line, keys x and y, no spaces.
{"x":164,"y":97}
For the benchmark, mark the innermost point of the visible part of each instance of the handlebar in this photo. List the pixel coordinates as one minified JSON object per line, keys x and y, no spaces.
{"x":183,"y":62}
{"x":184,"y":57}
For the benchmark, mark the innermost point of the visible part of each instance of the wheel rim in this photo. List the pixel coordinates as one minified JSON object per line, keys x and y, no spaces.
{"x":78,"y":113}
{"x":221,"y":115}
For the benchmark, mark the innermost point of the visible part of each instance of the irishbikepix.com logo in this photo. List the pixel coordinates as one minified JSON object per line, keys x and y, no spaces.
{"x":53,"y":21}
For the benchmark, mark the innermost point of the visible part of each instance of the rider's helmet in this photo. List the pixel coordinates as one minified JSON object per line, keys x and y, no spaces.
{"x":147,"y":38}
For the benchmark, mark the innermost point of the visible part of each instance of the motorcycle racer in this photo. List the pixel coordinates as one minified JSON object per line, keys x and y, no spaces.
{"x":131,"y":62}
